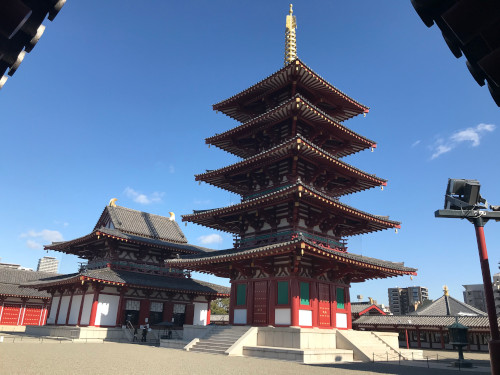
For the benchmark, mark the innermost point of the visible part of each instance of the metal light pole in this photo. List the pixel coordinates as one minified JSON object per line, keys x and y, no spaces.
{"x":462,"y":202}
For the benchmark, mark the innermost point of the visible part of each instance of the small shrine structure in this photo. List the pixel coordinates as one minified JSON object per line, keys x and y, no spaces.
{"x":290,"y":265}
{"x":126,"y":278}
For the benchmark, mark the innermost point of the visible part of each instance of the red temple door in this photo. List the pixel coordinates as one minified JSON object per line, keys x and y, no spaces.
{"x":10,"y":315}
{"x":32,"y":315}
{"x":324,"y":305}
{"x":260,"y":303}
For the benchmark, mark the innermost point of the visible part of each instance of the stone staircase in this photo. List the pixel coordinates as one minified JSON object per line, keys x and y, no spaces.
{"x":219,"y":339}
{"x":368,"y":347}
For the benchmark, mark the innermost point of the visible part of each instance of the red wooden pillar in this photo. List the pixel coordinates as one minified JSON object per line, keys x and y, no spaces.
{"x":189,"y":314}
{"x":314,"y":303}
{"x":119,"y":313}
{"x":43,"y":316}
{"x":95,"y":303}
{"x":295,"y":302}
{"x":347,"y":301}
{"x":333,"y":304}
{"x":209,"y":303}
{"x":22,"y":313}
{"x":144,"y":311}
{"x":84,"y":289}
{"x":1,"y":307}
{"x":232,"y":302}
{"x":272,"y":302}
{"x":59,"y":307}
{"x":168,"y":311}
{"x":69,"y":306}
{"x":250,"y":300}
{"x":442,"y":338}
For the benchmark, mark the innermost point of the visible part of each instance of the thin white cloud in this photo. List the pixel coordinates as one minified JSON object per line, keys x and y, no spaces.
{"x":46,"y":236}
{"x":416,"y":143}
{"x":141,"y":198}
{"x":210,"y":239}
{"x":171,"y":168}
{"x":472,"y":135}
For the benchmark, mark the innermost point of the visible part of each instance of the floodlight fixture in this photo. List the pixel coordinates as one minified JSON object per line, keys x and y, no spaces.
{"x":463,"y":194}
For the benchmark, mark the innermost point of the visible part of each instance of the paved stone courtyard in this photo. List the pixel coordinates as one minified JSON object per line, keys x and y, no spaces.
{"x":108,"y":358}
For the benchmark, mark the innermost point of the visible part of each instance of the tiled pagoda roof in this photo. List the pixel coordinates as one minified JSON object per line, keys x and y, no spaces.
{"x":307,"y":149}
{"x":71,"y":247}
{"x":303,"y":109}
{"x":208,"y":217}
{"x":142,"y":224}
{"x":305,"y":76}
{"x":132,"y":279}
{"x":371,"y":267}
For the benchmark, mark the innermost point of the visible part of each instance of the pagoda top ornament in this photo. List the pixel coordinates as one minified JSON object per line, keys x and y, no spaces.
{"x":290,"y":37}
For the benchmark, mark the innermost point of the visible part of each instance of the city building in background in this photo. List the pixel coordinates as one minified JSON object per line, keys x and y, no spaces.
{"x":48,"y":264}
{"x":496,"y":292}
{"x":474,"y":296}
{"x":406,"y":300}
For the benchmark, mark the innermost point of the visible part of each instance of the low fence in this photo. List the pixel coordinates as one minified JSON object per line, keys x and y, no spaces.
{"x":430,"y":361}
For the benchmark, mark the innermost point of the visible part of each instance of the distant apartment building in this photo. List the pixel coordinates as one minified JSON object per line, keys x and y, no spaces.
{"x":48,"y":264}
{"x":474,"y":296}
{"x":496,"y":292}
{"x":405,"y":300}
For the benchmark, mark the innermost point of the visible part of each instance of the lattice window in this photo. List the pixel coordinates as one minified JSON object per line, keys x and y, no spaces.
{"x":282,"y":292}
{"x":241,"y":294}
{"x":340,"y":298}
{"x":304,"y":294}
{"x":156,"y":307}
{"x":179,"y":308}
{"x":132,"y":305}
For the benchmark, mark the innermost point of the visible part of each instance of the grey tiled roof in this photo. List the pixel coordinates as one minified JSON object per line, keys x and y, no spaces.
{"x":63,"y":246}
{"x":447,"y":305}
{"x":222,"y":254}
{"x":358,"y":307}
{"x":368,"y":321}
{"x":142,"y":224}
{"x":10,"y":279}
{"x":136,"y":279}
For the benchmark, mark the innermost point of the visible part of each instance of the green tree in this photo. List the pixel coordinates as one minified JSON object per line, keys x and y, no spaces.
{"x":220,"y":306}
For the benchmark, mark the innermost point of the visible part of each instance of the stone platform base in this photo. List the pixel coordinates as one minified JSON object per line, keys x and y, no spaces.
{"x":300,"y":355}
{"x":77,"y":333}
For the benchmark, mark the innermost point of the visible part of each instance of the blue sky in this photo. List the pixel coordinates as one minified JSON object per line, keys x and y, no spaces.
{"x":115,"y":101}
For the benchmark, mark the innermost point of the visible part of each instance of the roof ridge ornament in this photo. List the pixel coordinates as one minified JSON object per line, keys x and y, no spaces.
{"x":290,"y":37}
{"x":112,"y":202}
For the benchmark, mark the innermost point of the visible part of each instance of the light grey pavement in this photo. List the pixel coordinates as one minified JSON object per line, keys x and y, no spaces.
{"x":116,"y":358}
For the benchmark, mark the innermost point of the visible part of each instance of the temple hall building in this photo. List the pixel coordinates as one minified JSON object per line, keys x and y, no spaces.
{"x":126,"y":278}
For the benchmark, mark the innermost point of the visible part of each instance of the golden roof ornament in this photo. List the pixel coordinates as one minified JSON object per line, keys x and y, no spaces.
{"x":172,"y":216}
{"x":290,"y":37}
{"x":446,"y":291}
{"x":112,"y":202}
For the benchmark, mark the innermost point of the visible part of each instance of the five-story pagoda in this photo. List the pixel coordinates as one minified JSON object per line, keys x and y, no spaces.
{"x":290,"y":265}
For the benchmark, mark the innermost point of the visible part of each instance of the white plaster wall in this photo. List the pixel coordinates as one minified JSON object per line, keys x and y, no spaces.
{"x":282,"y":317}
{"x":75,"y":309}
{"x":63,"y":310}
{"x":240,"y":316}
{"x":305,"y":318}
{"x":200,"y":314}
{"x":107,"y":309}
{"x":341,"y":320}
{"x":53,"y":310}
{"x":87,"y":307}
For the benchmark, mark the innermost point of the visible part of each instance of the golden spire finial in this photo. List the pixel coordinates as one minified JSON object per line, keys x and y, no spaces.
{"x":290,"y":37}
{"x":446,"y":291}
{"x":112,"y":202}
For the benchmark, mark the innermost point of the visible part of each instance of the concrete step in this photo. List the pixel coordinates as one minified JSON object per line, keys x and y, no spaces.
{"x":211,"y":346}
{"x":207,"y":350}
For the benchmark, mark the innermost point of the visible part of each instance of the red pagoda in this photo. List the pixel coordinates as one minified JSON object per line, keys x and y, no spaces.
{"x":290,"y":265}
